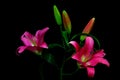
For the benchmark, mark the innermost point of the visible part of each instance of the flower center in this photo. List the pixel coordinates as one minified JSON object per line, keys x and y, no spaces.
{"x":83,"y":58}
{"x":33,"y":42}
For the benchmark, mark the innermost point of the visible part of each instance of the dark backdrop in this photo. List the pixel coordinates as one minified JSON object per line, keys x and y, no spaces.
{"x":31,"y":16}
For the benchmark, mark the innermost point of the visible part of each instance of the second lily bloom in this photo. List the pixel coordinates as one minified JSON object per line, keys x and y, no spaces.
{"x":86,"y":56}
{"x":33,"y":43}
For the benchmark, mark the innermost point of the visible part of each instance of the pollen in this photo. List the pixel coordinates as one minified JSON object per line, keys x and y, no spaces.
{"x":83,"y":59}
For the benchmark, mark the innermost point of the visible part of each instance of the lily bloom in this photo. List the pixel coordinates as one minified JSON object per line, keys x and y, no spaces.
{"x":33,"y":43}
{"x":87,"y":57}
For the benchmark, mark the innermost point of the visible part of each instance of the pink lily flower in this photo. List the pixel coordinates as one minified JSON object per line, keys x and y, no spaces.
{"x":87,"y":57}
{"x":33,"y":43}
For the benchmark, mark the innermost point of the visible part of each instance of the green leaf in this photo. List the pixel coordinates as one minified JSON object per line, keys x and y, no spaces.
{"x":54,"y":45}
{"x":57,"y":15}
{"x":49,"y":58}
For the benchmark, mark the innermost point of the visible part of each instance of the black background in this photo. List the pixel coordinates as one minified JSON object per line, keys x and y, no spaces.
{"x":31,"y":16}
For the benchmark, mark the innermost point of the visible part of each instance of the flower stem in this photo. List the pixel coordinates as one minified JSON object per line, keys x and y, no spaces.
{"x":62,"y":37}
{"x":65,"y":74}
{"x":41,"y":71}
{"x":61,"y":73}
{"x":61,"y":70}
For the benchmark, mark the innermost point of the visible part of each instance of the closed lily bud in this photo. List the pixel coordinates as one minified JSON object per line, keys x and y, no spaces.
{"x":87,"y":28}
{"x":57,"y":15}
{"x":66,"y":21}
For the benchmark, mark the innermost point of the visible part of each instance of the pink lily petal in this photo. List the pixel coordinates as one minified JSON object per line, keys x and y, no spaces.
{"x":21,"y":49}
{"x":88,"y":47}
{"x":96,"y":60}
{"x":34,"y":48}
{"x":84,"y":51}
{"x":30,"y":48}
{"x":75,"y":45}
{"x":77,"y":56}
{"x":44,"y":45}
{"x":27,"y":38}
{"x":99,"y":53}
{"x":40,"y":35}
{"x":90,"y":71}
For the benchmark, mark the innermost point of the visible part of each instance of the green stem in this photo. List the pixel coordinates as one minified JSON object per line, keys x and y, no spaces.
{"x":41,"y":71}
{"x":61,"y":73}
{"x":67,"y":59}
{"x":71,"y":72}
{"x":61,"y":69}
{"x":61,"y":28}
{"x":63,"y":42}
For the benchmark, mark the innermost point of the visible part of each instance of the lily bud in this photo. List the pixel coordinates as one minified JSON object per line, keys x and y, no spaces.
{"x":57,"y":15}
{"x":87,"y":28}
{"x":66,"y":21}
